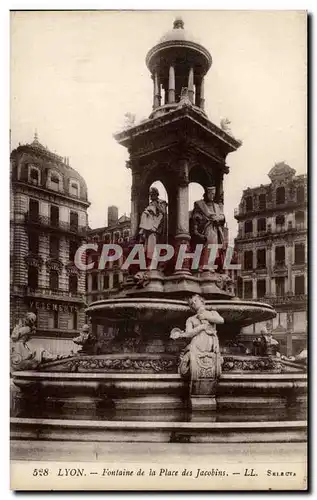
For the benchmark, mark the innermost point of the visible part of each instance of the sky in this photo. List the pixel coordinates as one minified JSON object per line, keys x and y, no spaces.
{"x":75,"y":74}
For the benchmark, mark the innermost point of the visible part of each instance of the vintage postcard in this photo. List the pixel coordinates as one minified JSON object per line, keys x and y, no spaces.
{"x":158,"y":278}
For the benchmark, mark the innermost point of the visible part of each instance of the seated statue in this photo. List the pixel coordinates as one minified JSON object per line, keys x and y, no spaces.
{"x":86,"y":340}
{"x":265,"y":345}
{"x":22,"y":356}
{"x":201,"y":358}
{"x":207,"y":223}
{"x":153,"y":222}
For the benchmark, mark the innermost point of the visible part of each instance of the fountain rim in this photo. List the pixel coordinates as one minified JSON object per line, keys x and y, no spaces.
{"x":179,"y":302}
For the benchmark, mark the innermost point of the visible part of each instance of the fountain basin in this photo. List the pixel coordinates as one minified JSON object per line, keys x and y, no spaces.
{"x":175,"y":312}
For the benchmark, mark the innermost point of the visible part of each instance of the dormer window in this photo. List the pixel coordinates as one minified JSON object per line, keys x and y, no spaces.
{"x":55,"y":181}
{"x":34,"y":176}
{"x":74,"y":188}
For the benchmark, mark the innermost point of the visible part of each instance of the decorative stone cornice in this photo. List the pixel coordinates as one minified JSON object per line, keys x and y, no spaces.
{"x":54,"y":265}
{"x":34,"y":260}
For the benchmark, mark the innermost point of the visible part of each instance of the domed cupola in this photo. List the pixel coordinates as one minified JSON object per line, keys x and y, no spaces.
{"x":178,"y":65}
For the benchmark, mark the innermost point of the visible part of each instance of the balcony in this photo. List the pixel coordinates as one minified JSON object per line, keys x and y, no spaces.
{"x":48,"y":293}
{"x":276,"y":300}
{"x":42,"y":221}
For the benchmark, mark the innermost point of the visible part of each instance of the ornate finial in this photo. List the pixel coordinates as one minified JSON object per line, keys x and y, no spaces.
{"x":178,"y":23}
{"x":36,"y":137}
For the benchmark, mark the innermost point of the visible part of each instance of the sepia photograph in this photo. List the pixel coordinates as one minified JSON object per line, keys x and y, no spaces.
{"x":158,"y":250}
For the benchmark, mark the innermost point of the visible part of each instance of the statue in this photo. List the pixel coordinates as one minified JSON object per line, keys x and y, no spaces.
{"x":184,"y":97}
{"x":265,"y":345}
{"x":86,"y":340}
{"x":152,"y":223}
{"x":225,"y":125}
{"x":207,"y":223}
{"x":129,"y":120}
{"x":201,"y":360}
{"x":22,"y":356}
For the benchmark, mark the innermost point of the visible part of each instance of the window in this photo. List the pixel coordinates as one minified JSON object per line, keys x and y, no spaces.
{"x":74,"y":191}
{"x":239,"y":286}
{"x":116,"y":236}
{"x":75,"y":320}
{"x":280,"y":195}
{"x":299,"y":285}
{"x":107,"y":238}
{"x":116,"y":281}
{"x":299,"y":219}
{"x":73,"y":220}
{"x":262,"y":201}
{"x":261,"y":225}
{"x":54,"y":182}
{"x":54,"y":279}
{"x":248,"y":227}
{"x":248,"y":259}
{"x":73,"y":283}
{"x":52,"y":322}
{"x":261,"y":288}
{"x":280,"y":220}
{"x":248,"y":289}
{"x":94,"y":281}
{"x":300,"y":194}
{"x":126,"y":235}
{"x":105,"y":281}
{"x":280,"y":256}
{"x":33,"y":242}
{"x":34,"y":210}
{"x":248,"y":204}
{"x":34,"y":176}
{"x":261,"y":258}
{"x":299,"y":253}
{"x":54,"y":216}
{"x":280,"y":286}
{"x":54,"y":247}
{"x":33,"y":277}
{"x":72,"y":250}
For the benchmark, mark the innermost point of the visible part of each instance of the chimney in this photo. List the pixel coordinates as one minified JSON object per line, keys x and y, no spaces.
{"x":112,"y":215}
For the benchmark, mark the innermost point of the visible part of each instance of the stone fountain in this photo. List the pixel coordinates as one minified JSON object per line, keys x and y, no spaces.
{"x":161,"y":360}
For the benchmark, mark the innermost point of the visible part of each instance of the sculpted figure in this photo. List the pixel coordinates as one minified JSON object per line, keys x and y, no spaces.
{"x":201,"y":358}
{"x":152,"y":223}
{"x":22,"y":356}
{"x":85,"y":339}
{"x":207,"y":222}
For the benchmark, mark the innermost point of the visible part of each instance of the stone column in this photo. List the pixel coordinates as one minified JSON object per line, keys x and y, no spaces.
{"x":171,"y":85}
{"x":182,"y":222}
{"x":254,"y":261}
{"x":254,"y":290}
{"x":135,"y":190}
{"x":198,"y":93}
{"x":202,"y":94}
{"x":157,"y":92}
{"x":191,"y":85}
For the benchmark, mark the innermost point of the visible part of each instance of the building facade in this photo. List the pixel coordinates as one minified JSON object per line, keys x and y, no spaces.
{"x":48,"y":223}
{"x":103,"y":282}
{"x":272,"y":251}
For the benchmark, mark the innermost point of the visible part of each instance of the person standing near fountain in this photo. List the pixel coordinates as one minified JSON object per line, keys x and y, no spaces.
{"x":152,"y":223}
{"x":207,"y":223}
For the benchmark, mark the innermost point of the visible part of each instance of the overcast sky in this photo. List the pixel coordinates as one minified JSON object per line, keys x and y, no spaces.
{"x":75,"y":74}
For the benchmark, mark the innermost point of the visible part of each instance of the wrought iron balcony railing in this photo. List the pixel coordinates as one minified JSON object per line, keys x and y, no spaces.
{"x":43,"y":221}
{"x":283,"y":299}
{"x":48,"y":292}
